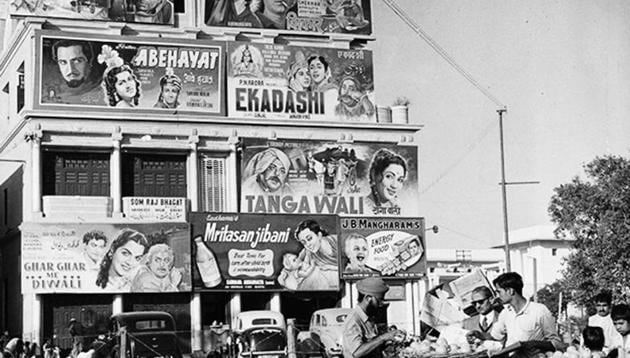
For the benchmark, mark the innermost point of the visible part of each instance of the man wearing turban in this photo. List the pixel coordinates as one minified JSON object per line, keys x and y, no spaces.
{"x":267,"y":172}
{"x":354,"y":103}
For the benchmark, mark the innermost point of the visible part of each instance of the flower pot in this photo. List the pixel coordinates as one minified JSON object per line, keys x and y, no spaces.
{"x":400,"y":114}
{"x":383,"y":114}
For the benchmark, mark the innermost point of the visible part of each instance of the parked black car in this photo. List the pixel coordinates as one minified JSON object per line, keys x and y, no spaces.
{"x":149,"y":334}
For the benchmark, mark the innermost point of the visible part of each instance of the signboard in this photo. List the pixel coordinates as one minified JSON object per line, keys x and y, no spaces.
{"x":265,"y":252}
{"x":319,"y":16}
{"x":99,"y":258}
{"x":269,"y":81}
{"x":141,"y":11}
{"x":128,"y":75}
{"x":385,"y":247}
{"x":156,"y":209}
{"x":320,"y":177}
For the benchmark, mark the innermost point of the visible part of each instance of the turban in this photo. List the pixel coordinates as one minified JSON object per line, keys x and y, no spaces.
{"x":372,"y":286}
{"x":262,"y":160}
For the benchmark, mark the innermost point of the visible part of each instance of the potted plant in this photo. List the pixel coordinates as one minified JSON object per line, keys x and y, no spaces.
{"x":400,"y":109}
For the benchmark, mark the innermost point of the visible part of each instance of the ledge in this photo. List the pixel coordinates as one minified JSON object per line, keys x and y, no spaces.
{"x":191,"y":117}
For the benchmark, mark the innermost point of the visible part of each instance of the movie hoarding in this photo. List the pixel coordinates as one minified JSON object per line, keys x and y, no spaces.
{"x":237,"y":252}
{"x":318,"y":16}
{"x":105,"y":258}
{"x":391,"y":248}
{"x":270,"y":81}
{"x":126,"y":75}
{"x":139,"y":11}
{"x":321,"y":177}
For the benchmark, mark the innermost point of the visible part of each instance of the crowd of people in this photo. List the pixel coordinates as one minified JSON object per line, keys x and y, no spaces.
{"x":507,"y":316}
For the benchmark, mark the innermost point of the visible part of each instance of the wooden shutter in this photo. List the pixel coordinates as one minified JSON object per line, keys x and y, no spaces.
{"x":84,"y":174}
{"x":154,"y":175}
{"x":213,"y":177}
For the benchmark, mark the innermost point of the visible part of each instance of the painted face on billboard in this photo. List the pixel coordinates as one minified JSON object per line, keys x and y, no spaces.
{"x":275,"y":6}
{"x":95,"y":249}
{"x":348,"y":91}
{"x":356,"y":251}
{"x":303,"y":78}
{"x":147,"y":5}
{"x":310,"y":240}
{"x":73,"y":65}
{"x":161,"y":263}
{"x":317,"y":70}
{"x":274,"y":176}
{"x":414,"y":248}
{"x":391,"y":182}
{"x":125,"y":86}
{"x":170,"y":92}
{"x":127,"y":257}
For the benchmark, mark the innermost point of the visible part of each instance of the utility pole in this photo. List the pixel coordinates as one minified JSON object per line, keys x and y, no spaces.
{"x":506,"y":235}
{"x":503,"y":183}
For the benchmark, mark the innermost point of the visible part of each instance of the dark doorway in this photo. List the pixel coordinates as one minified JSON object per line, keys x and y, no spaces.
{"x":92,"y":311}
{"x":301,"y":305}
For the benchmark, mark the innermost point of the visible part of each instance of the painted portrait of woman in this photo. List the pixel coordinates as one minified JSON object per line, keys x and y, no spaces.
{"x":122,"y":88}
{"x":122,"y":260}
{"x":387,"y":176}
{"x":319,"y":255}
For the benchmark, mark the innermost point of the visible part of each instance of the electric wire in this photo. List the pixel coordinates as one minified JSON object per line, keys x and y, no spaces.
{"x":440,"y":51}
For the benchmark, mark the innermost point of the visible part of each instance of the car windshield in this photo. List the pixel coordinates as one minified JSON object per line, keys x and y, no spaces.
{"x":267,"y":339}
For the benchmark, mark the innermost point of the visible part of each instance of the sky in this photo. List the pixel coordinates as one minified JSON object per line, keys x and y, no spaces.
{"x":560,"y":67}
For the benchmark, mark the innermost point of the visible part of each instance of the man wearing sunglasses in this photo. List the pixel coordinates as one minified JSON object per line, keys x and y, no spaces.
{"x":482,"y":300}
{"x":361,"y":337}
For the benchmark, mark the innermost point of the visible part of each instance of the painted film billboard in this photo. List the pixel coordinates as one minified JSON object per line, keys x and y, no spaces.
{"x":111,"y":258}
{"x":328,"y":177}
{"x":318,"y":16}
{"x":384,"y":247}
{"x":139,"y":11}
{"x":124,"y":74}
{"x":237,"y":252}
{"x":270,"y":81}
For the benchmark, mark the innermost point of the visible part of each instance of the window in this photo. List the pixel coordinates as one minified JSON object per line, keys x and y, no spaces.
{"x":554,"y":252}
{"x":5,"y":213}
{"x":20,"y":88}
{"x":76,"y":173}
{"x":213,"y":178}
{"x":154,"y":175}
{"x":180,"y":6}
{"x":463,"y":255}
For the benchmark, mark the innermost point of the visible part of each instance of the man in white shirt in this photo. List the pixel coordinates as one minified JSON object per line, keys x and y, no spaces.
{"x":529,"y":323}
{"x":602,"y":319}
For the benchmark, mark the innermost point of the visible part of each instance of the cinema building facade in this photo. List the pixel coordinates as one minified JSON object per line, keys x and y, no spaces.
{"x":251,"y":155}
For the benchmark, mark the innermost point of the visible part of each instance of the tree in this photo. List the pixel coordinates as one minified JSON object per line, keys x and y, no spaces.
{"x":595,"y":211}
{"x":549,"y":296}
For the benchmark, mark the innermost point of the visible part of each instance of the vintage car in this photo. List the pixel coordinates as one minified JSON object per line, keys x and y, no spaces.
{"x":260,"y":334}
{"x":325,"y":333}
{"x":147,"y":334}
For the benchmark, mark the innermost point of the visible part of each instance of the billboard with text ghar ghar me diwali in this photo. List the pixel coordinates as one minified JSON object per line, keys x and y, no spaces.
{"x":105,"y":258}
